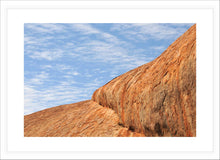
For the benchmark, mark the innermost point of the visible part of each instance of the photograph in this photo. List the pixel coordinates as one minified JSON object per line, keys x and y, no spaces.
{"x":109,"y":79}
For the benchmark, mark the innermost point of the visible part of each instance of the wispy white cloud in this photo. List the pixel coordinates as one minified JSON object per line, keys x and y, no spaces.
{"x":105,"y":52}
{"x":84,"y":28}
{"x":29,"y":40}
{"x":158,"y":48}
{"x":63,"y":67}
{"x":39,"y":99}
{"x":45,"y":27}
{"x":149,"y":31}
{"x":74,"y":73}
{"x":59,"y":67}
{"x":87,"y":29}
{"x":36,"y":40}
{"x":63,"y":93}
{"x":45,"y":67}
{"x":94,"y":83}
{"x":48,"y":55}
{"x":39,"y":78}
{"x":30,"y":99}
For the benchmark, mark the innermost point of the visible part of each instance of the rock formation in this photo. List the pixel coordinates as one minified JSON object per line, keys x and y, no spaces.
{"x":155,"y":99}
{"x":82,"y":119}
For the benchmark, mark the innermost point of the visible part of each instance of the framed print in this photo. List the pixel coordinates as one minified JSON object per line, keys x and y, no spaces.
{"x":109,"y":79}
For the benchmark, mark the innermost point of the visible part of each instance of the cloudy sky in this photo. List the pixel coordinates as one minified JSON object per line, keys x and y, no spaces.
{"x":66,"y":62}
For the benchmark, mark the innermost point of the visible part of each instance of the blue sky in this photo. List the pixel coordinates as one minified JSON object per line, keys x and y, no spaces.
{"x":66,"y":62}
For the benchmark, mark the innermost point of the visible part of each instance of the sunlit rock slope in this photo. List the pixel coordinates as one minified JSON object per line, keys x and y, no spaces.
{"x":81,"y":119}
{"x":157,"y":98}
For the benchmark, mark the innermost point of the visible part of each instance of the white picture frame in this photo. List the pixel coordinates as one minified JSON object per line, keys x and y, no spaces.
{"x":15,"y":13}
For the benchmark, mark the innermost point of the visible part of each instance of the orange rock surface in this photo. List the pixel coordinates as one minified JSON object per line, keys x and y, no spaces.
{"x":82,"y":119}
{"x":157,"y":98}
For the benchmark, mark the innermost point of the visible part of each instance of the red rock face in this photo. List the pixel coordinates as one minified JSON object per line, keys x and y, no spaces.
{"x":82,"y":119}
{"x":157,"y":98}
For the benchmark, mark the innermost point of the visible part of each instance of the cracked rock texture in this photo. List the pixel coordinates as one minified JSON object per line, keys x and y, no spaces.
{"x":157,"y":98}
{"x":82,"y":119}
